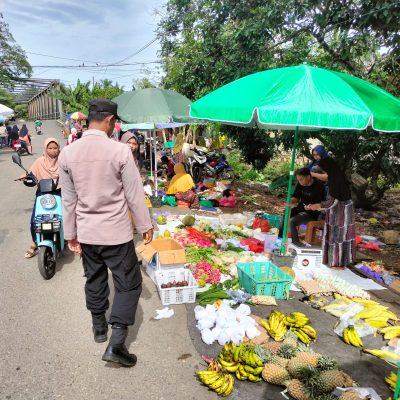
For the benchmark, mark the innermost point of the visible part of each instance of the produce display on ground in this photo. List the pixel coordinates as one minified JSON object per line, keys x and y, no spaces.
{"x":286,"y":345}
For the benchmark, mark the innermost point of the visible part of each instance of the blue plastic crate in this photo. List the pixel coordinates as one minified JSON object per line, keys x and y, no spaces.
{"x":264,"y":278}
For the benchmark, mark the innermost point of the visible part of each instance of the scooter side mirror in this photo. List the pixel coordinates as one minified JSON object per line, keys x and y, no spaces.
{"x":17,"y":159}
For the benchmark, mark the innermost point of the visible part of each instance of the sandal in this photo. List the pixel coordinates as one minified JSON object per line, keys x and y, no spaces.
{"x":32,"y":252}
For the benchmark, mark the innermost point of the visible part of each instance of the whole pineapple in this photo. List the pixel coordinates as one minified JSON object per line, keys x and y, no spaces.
{"x":294,"y":366}
{"x":282,"y":362}
{"x":326,"y":363}
{"x":275,"y":374}
{"x":287,"y":351}
{"x":310,"y":358}
{"x":290,"y":339}
{"x":349,"y":395}
{"x":272,"y":346}
{"x":334,"y":378}
{"x":297,"y":390}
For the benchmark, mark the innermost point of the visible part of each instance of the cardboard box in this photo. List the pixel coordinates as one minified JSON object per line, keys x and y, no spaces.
{"x":162,"y":254}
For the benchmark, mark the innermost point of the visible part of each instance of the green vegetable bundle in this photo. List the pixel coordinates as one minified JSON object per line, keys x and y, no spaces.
{"x":211,"y":295}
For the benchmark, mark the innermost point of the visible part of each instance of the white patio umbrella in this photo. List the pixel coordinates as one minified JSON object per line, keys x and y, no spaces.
{"x":5,"y":111}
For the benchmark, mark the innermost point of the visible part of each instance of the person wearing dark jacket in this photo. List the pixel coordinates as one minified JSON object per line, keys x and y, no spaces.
{"x":339,"y":245}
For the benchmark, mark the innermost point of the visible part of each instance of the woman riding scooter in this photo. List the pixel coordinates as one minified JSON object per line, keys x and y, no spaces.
{"x":45,"y":167}
{"x":26,"y":137}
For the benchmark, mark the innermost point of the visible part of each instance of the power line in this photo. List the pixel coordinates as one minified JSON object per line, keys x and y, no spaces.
{"x":96,"y":66}
{"x":138,"y":51}
{"x":62,"y":58}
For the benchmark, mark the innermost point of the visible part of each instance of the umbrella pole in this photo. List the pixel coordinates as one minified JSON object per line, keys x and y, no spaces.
{"x":151,"y":158}
{"x":289,"y":195}
{"x":155,"y":163}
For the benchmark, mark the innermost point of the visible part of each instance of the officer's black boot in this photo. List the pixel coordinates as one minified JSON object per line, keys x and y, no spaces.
{"x":116,"y":350}
{"x":100,"y":327}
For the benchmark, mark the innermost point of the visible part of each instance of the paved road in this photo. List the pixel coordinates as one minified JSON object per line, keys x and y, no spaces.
{"x":46,"y":346}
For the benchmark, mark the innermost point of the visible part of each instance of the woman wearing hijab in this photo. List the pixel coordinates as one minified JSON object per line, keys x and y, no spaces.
{"x":132,"y":141}
{"x":14,"y":136}
{"x":26,"y":137}
{"x":318,"y":153}
{"x":45,"y":167}
{"x":179,"y":157}
{"x":182,"y":186}
{"x":339,"y":246}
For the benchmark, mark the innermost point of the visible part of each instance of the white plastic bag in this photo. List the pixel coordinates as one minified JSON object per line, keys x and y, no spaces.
{"x":207,"y":336}
{"x":361,"y":327}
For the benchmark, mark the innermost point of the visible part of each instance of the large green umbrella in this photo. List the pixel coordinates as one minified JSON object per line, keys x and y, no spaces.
{"x":300,"y":97}
{"x":152,"y":105}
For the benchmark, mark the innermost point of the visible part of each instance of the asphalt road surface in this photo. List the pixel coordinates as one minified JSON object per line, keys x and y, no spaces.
{"x":47,"y":349}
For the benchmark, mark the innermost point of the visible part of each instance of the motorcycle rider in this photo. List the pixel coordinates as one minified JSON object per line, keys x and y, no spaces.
{"x":45,"y":167}
{"x":38,"y":125}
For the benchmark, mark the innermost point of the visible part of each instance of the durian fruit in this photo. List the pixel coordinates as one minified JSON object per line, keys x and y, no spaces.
{"x":282,"y":362}
{"x":272,"y":347}
{"x":275,"y":374}
{"x":287,"y":351}
{"x":334,"y":378}
{"x":294,"y":366}
{"x":310,"y":358}
{"x":326,"y":363}
{"x":350,"y":395}
{"x":297,"y":390}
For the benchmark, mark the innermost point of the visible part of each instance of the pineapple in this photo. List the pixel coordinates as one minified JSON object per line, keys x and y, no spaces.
{"x":334,"y":378}
{"x":290,"y":339}
{"x":263,"y":354}
{"x":282,"y":362}
{"x":297,"y":390}
{"x":326,"y":363}
{"x":295,"y":365}
{"x":349,"y":395}
{"x":275,"y":374}
{"x":272,"y":347}
{"x":309,"y":358}
{"x":287,"y":351}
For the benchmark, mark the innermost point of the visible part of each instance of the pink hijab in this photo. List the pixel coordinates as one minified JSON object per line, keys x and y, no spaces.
{"x":46,"y":167}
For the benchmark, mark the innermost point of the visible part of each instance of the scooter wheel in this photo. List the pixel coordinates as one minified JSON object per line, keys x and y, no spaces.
{"x":197,"y":173}
{"x":46,"y":262}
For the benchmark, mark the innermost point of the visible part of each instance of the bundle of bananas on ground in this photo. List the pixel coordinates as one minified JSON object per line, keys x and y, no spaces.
{"x":299,"y":324}
{"x":391,"y":380}
{"x":376,"y":315}
{"x":351,"y":337}
{"x":384,"y":354}
{"x":390,"y":332}
{"x":220,"y":382}
{"x":275,"y":325}
{"x":242,"y":361}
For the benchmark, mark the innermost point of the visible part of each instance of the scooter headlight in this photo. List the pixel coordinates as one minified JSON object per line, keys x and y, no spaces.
{"x":48,"y":201}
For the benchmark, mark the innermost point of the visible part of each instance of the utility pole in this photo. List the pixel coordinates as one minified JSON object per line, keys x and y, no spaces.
{"x":93,"y":80}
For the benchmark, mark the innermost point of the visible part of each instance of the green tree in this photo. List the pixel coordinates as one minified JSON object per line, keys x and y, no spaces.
{"x":14,"y":63}
{"x":21,"y":111}
{"x":143,"y":83}
{"x":6,"y":98}
{"x":208,"y":43}
{"x":77,"y":98}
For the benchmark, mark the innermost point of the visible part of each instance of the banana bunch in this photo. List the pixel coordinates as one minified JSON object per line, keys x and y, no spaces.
{"x":391,"y":380}
{"x":275,"y":325}
{"x":350,"y":336}
{"x":242,"y":361}
{"x":390,"y":332}
{"x":219,"y":382}
{"x":299,"y":324}
{"x":385,"y":355}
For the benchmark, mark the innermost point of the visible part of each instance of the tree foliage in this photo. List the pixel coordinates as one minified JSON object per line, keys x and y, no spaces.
{"x":208,"y":43}
{"x":77,"y":98}
{"x":14,"y":63}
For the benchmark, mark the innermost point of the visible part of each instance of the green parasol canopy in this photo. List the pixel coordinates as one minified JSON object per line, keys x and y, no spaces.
{"x":300,"y":97}
{"x":152,"y":105}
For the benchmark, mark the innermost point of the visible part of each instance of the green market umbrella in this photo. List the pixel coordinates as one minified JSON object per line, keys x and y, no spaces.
{"x":150,"y":108}
{"x":300,"y":97}
{"x":152,"y":105}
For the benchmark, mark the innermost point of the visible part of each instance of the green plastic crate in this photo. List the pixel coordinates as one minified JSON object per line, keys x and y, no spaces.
{"x":273,"y":220}
{"x":264,"y":278}
{"x":169,"y":145}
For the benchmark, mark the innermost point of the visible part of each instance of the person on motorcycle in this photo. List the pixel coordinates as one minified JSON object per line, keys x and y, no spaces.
{"x":38,"y":125}
{"x":14,"y":136}
{"x":45,"y":167}
{"x":26,"y":137}
{"x":182,"y":187}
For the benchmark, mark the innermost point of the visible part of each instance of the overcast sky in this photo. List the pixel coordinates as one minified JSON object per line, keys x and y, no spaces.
{"x":102,"y":31}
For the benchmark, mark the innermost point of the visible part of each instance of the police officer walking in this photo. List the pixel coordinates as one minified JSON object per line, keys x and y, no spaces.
{"x":101,"y":185}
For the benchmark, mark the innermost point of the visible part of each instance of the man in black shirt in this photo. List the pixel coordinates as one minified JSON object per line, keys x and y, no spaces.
{"x":308,"y":191}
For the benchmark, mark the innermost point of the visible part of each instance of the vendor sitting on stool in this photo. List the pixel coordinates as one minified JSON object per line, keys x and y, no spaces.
{"x":182,"y":187}
{"x":307,"y":191}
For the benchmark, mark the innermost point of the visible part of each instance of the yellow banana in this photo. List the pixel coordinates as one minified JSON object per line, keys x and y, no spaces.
{"x":236,"y":353}
{"x":346,"y":336}
{"x":354,"y":338}
{"x":390,"y":315}
{"x":225,"y":385}
{"x":258,"y":361}
{"x":371,"y":312}
{"x":218,"y":383}
{"x":386,"y":355}
{"x":310,"y":331}
{"x":242,"y":371}
{"x":229,"y":389}
{"x":249,"y":369}
{"x":253,"y":378}
{"x":225,"y":363}
{"x":391,"y":379}
{"x":233,"y":368}
{"x":258,"y":370}
{"x":302,"y":336}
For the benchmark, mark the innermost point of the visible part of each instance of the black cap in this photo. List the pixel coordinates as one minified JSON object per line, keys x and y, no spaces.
{"x":103,"y":105}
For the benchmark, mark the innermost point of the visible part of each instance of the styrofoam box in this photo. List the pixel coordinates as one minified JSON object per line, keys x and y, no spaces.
{"x":307,"y":257}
